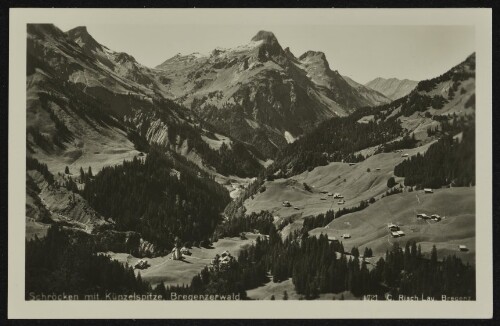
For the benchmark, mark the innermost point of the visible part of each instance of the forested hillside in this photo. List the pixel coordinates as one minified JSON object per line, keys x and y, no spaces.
{"x":388,"y":126}
{"x":66,"y":262}
{"x":334,"y":140}
{"x":161,"y":197}
{"x":450,"y":161}
{"x":315,"y":266}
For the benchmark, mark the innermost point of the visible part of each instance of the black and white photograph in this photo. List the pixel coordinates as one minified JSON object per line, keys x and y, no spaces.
{"x":182,"y":158}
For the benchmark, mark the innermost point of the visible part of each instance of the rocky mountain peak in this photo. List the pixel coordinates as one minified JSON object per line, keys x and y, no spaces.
{"x":313,"y":54}
{"x":266,"y":37}
{"x":289,"y":54}
{"x":81,"y":36}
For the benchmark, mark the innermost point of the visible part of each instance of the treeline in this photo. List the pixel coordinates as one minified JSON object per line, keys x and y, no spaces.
{"x":460,"y":72}
{"x":450,"y":125}
{"x":161,"y":197}
{"x":322,"y":220}
{"x":333,"y":141}
{"x":33,"y":164}
{"x":417,"y":102}
{"x":404,"y":143}
{"x":318,"y":221}
{"x":450,"y":161}
{"x":317,"y":266}
{"x":58,"y":264}
{"x":261,"y":222}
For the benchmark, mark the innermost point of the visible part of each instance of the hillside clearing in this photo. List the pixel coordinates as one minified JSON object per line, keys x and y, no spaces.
{"x":368,"y":228}
{"x":178,"y":272}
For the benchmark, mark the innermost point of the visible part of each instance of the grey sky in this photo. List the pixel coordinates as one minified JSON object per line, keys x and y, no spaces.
{"x":361,"y":52}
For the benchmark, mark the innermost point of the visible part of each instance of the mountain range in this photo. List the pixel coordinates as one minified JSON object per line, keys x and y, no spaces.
{"x":393,"y":88}
{"x":92,"y":103}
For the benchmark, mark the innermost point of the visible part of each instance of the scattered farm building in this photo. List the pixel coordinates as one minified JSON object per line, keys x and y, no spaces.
{"x":141,"y":264}
{"x":286,"y":203}
{"x":428,"y":191}
{"x":436,"y":217}
{"x":185,"y":251}
{"x":463,"y":248}
{"x":346,"y":236}
{"x":333,"y":239}
{"x":393,"y":227}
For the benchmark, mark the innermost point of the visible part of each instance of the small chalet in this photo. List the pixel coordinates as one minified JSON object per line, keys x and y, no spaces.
{"x":393,"y":227}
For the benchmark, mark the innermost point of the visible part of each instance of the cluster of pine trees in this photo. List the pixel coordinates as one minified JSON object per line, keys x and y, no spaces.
{"x":66,"y":262}
{"x":408,"y":272}
{"x":322,"y":220}
{"x":318,"y":221}
{"x":418,"y":102}
{"x":162,"y":197}
{"x":450,"y":161}
{"x":317,"y":266}
{"x":404,"y":143}
{"x":235,"y":225}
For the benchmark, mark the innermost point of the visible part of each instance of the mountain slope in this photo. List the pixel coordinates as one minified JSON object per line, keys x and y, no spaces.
{"x":258,"y":92}
{"x":404,"y":123}
{"x":90,"y":106}
{"x":393,"y":88}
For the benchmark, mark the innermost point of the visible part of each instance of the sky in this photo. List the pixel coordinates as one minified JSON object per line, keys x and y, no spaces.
{"x":362,"y":52}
